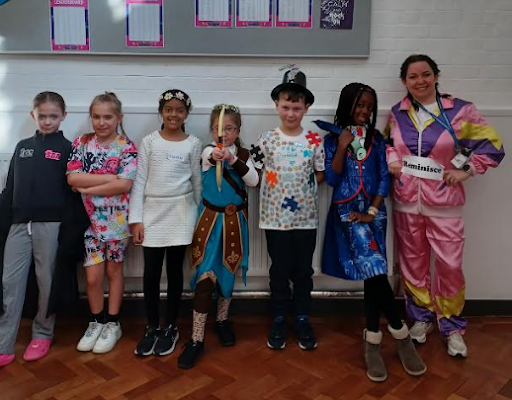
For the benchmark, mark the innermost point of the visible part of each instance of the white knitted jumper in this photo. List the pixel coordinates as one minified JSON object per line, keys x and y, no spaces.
{"x":167,"y":190}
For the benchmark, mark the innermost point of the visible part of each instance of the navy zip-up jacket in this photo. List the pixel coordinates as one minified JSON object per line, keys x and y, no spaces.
{"x":36,"y":186}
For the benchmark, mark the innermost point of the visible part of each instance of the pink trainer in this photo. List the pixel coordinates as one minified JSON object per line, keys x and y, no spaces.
{"x":37,"y":349}
{"x":6,"y":359}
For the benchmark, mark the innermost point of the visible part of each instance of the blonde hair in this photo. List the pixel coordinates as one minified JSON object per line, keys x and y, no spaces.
{"x":109,"y":97}
{"x":232,"y":111}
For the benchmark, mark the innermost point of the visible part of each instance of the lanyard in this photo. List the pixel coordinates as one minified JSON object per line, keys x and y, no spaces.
{"x":445,"y":122}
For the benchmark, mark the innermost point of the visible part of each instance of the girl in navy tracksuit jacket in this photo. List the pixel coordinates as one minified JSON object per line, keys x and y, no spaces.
{"x":35,"y":193}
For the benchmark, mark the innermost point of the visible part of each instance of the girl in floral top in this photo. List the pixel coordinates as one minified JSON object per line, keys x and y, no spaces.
{"x":102,"y":167}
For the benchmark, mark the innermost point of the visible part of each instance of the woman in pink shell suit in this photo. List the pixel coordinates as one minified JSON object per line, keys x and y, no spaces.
{"x":435,"y":142}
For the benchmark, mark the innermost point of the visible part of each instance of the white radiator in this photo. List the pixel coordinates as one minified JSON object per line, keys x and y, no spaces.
{"x":259,"y":262}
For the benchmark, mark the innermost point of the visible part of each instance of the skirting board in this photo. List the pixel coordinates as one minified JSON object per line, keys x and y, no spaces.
{"x":320,"y":307}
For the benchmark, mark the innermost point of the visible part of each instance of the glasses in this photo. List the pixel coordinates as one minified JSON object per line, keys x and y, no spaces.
{"x":227,"y":129}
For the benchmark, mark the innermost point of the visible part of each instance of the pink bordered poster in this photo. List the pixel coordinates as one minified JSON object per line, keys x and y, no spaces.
{"x":213,"y":14}
{"x":254,"y":14}
{"x":294,"y":14}
{"x":144,"y":23}
{"x":69,"y":25}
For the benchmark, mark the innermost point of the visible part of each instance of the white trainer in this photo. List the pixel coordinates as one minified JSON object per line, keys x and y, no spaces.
{"x":456,"y":345}
{"x":420,"y":330}
{"x":110,"y":334}
{"x":90,"y":337}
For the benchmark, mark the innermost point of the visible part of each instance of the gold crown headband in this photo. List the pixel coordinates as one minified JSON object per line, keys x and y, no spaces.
{"x":227,"y":107}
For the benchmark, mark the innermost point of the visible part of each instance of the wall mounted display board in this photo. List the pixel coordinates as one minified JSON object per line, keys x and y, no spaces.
{"x":334,"y":28}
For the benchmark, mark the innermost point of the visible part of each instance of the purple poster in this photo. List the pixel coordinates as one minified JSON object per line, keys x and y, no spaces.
{"x":337,"y":14}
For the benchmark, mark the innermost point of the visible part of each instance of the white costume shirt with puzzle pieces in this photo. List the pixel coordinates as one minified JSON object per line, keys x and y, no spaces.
{"x":288,"y":195}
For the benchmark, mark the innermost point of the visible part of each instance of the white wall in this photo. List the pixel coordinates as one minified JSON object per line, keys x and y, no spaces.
{"x":470,"y":39}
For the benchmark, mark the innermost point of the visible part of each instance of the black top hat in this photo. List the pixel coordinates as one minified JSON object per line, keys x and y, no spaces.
{"x":295,"y":80}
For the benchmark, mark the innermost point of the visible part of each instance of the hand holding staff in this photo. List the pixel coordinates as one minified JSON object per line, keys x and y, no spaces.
{"x":220,"y":131}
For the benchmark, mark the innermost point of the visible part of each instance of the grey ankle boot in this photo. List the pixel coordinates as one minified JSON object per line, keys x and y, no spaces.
{"x":411,"y":360}
{"x":375,"y":367}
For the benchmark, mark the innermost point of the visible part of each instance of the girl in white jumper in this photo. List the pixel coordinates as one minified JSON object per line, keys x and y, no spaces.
{"x":163,"y":214}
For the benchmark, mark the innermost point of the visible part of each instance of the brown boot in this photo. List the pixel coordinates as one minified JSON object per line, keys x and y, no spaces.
{"x":411,"y":360}
{"x":375,"y":367}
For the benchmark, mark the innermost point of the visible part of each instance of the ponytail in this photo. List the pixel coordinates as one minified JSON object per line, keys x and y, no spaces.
{"x":110,"y":97}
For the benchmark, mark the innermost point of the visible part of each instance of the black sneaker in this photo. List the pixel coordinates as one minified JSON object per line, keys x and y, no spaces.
{"x":225,"y":333}
{"x":191,"y":353}
{"x":277,"y":337}
{"x":166,"y":340}
{"x":305,"y":335}
{"x":147,"y":344}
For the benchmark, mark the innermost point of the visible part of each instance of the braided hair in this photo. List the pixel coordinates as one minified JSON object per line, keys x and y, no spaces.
{"x":349,"y":97}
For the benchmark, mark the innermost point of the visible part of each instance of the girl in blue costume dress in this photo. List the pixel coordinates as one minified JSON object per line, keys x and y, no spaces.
{"x":355,"y":236}
{"x":220,"y":246}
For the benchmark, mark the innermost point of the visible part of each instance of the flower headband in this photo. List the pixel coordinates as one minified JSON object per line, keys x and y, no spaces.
{"x":169,"y":95}
{"x":230,"y":107}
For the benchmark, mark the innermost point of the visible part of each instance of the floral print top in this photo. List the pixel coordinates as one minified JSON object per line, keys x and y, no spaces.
{"x":108,"y":214}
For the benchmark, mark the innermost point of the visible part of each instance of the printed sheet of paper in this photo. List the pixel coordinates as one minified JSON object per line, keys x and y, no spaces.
{"x":69,"y":20}
{"x":294,"y":14}
{"x":213,"y":13}
{"x":422,"y":167}
{"x":144,"y":23}
{"x":254,"y":14}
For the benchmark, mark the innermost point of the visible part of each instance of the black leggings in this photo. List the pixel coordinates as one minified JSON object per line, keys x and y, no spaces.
{"x":378,"y":296}
{"x":153,"y":260}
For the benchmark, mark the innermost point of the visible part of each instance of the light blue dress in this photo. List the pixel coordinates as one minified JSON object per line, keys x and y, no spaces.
{"x":213,"y":255}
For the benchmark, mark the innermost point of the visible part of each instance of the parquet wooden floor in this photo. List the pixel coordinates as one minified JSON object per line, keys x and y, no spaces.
{"x":251,"y":371}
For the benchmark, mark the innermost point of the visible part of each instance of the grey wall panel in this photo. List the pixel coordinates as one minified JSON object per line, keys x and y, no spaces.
{"x":25,"y":27}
